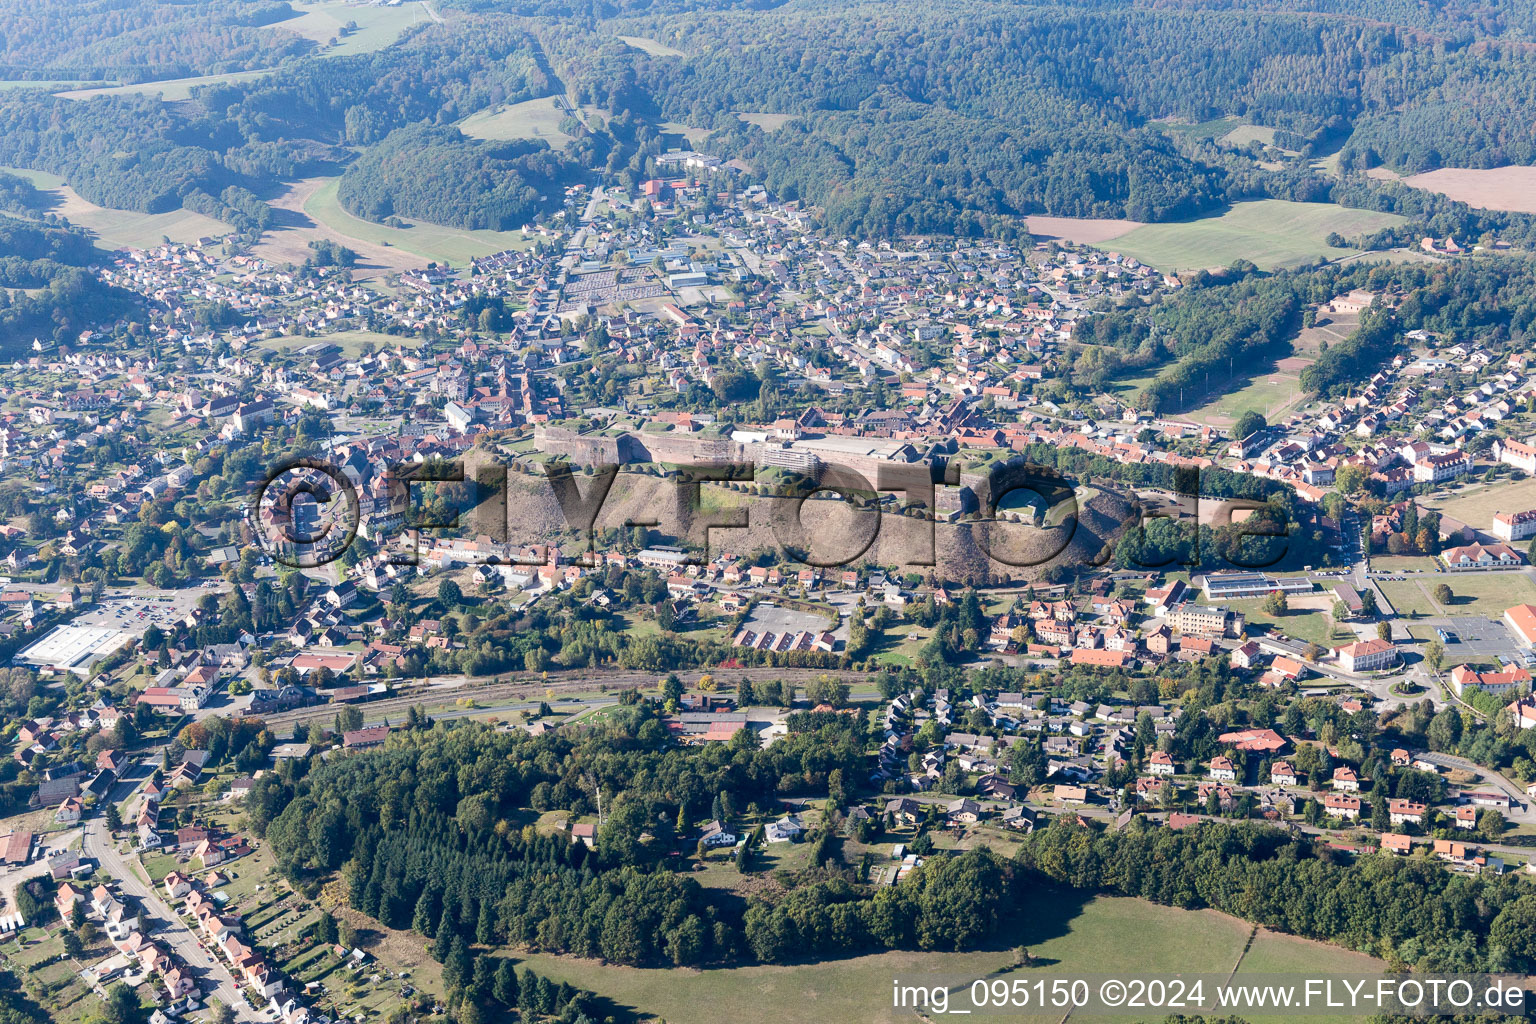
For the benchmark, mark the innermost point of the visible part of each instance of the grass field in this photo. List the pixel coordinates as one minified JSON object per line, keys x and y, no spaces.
{"x":1066,"y":937}
{"x":1273,"y":393}
{"x":1307,"y":625}
{"x":767,"y":122}
{"x":1408,"y":598}
{"x":1485,"y":593}
{"x":531,"y":119}
{"x":1476,"y":505}
{"x":652,"y":47}
{"x":429,"y":241}
{"x":122,"y":229}
{"x":377,"y":26}
{"x":1270,"y":232}
{"x":351,"y":342}
{"x":170,"y":89}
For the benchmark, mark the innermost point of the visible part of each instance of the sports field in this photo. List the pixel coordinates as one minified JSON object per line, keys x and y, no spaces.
{"x":531,"y":119}
{"x":1104,"y":936}
{"x":1475,"y":505}
{"x":1270,"y":232}
{"x":1274,"y":394}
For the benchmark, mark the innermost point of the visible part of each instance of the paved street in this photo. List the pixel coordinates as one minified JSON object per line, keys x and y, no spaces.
{"x":160,"y":922}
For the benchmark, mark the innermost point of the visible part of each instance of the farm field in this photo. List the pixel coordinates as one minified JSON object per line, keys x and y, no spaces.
{"x":531,"y":119}
{"x":168,"y":90}
{"x":1499,"y":188}
{"x":1071,"y":938}
{"x":1476,"y":505}
{"x":1082,"y":230}
{"x":652,"y":47}
{"x":122,"y":229}
{"x":1270,"y":232}
{"x":377,"y":26}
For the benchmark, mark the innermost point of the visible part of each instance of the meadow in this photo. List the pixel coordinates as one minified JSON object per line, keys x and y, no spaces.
{"x":378,"y":26}
{"x":1067,"y":935}
{"x":652,"y":47}
{"x":531,"y":119}
{"x":430,"y":241}
{"x":1273,"y":393}
{"x":170,"y":89}
{"x":1475,"y":505}
{"x":1270,"y":232}
{"x":122,"y":229}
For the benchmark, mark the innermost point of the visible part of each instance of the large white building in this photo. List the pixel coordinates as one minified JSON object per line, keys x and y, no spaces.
{"x":1512,"y":526}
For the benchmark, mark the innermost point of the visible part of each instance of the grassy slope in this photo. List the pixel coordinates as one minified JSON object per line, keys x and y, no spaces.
{"x":1270,"y":232}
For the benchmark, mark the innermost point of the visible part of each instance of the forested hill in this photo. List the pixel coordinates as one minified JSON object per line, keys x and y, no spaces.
{"x":135,"y":42}
{"x":437,"y":174}
{"x":954,"y":115}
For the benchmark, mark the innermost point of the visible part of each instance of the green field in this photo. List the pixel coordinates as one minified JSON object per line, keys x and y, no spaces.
{"x":351,"y":342}
{"x":122,"y":229}
{"x":377,"y":26}
{"x":767,"y":122}
{"x":1305,"y":624}
{"x":1476,"y":505}
{"x":1271,"y":393}
{"x":1270,"y":232}
{"x":429,"y":241}
{"x":1067,"y":938}
{"x":531,"y":119}
{"x":652,"y":47}
{"x":170,"y":89}
{"x":1408,"y":599}
{"x":1485,"y":593}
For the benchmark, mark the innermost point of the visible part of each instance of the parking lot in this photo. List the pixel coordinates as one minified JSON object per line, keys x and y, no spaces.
{"x":776,"y":619}
{"x":137,"y":610}
{"x":1478,"y":639}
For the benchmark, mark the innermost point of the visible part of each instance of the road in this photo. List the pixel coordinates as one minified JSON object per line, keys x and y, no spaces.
{"x":160,"y":922}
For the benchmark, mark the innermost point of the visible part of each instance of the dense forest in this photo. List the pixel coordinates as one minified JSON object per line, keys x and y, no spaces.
{"x":423,"y":834}
{"x":940,"y":116}
{"x":135,"y":42}
{"x":439,"y":175}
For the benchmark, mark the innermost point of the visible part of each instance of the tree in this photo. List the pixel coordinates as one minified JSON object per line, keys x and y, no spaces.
{"x":121,"y":1005}
{"x":73,"y":947}
{"x":1443,"y":593}
{"x":218,"y":1013}
{"x":1490,"y":824}
{"x":1434,"y":653}
{"x":346,"y":935}
{"x":1276,"y":604}
{"x":1249,"y":422}
{"x":1514,"y":931}
{"x":449,"y":595}
{"x":1384,"y":630}
{"x":1350,"y":478}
